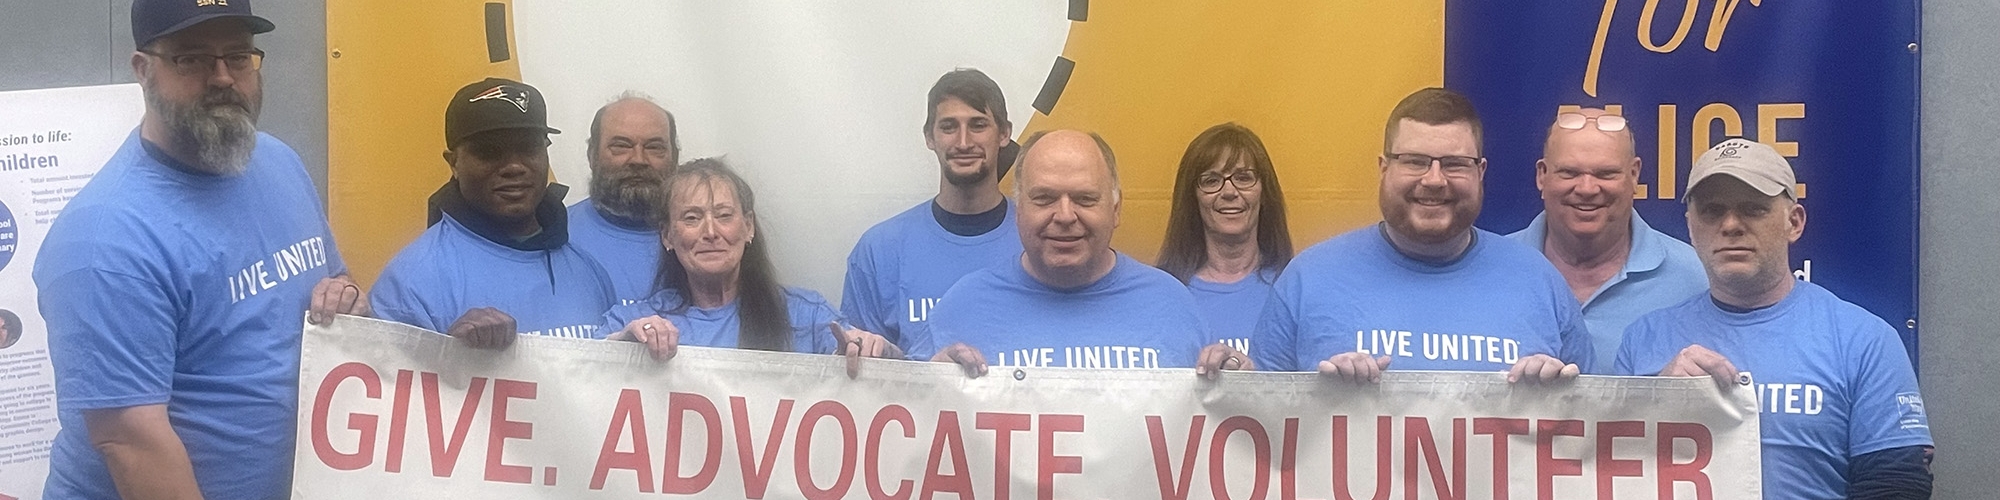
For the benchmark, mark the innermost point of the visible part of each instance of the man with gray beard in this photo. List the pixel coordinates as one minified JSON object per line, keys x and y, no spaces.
{"x":634,"y":143}
{"x":173,"y":284}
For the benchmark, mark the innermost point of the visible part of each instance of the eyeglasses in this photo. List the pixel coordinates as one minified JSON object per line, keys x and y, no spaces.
{"x":202,"y":64}
{"x":1420,"y":164}
{"x":1242,"y":179}
{"x":1575,"y":121}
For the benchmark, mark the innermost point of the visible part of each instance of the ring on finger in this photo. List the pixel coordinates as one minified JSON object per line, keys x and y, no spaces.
{"x":647,"y":328}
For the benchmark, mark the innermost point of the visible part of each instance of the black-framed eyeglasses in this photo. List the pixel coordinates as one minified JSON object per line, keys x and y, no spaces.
{"x":1242,"y":179}
{"x":1575,"y":121}
{"x":1420,"y":164}
{"x":202,"y":64}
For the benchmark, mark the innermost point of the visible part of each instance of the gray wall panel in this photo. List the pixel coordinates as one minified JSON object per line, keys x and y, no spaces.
{"x":53,"y":44}
{"x":1960,"y":229}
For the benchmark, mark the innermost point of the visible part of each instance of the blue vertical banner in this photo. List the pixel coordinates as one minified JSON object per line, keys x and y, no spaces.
{"x":1831,"y":85}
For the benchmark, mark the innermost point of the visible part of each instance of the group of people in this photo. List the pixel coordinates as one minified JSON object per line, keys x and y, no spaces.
{"x":172,"y":285}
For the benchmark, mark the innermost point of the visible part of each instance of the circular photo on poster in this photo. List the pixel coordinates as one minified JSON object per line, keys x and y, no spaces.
{"x":9,"y":236}
{"x":10,"y":328}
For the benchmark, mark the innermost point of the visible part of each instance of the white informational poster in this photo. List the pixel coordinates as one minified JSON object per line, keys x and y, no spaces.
{"x":51,"y":142}
{"x":392,"y":411}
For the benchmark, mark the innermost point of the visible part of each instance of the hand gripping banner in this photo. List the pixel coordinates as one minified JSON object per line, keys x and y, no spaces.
{"x":391,"y":411}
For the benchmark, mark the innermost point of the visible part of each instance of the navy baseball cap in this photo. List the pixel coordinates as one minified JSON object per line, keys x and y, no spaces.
{"x":494,"y":104}
{"x":152,"y":19}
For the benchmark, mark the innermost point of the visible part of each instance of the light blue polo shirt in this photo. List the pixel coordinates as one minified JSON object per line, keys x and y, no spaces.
{"x":1661,"y":271}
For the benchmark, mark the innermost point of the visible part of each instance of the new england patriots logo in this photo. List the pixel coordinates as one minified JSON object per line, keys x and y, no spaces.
{"x":519,"y":97}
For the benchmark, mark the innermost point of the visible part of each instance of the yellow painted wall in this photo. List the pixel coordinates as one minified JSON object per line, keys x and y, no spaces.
{"x":1314,"y":79}
{"x":392,"y":65}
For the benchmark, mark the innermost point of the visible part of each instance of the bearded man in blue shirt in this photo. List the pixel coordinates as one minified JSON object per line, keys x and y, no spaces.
{"x":175,"y":284}
{"x":1424,"y":290}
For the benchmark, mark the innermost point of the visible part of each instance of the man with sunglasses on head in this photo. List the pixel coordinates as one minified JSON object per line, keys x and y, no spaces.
{"x":175,"y":283}
{"x":1424,"y":290}
{"x":1616,"y":265}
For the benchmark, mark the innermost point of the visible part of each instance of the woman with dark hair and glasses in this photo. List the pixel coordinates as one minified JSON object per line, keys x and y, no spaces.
{"x":717,"y":285}
{"x":1226,"y":235}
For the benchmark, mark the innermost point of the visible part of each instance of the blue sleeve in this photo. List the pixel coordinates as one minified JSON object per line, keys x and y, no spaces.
{"x":810,"y":316}
{"x":858,"y":302}
{"x":922,"y":340}
{"x":1577,"y":346}
{"x":112,"y":338}
{"x":1623,"y":366}
{"x":607,"y":293}
{"x":394,"y":299}
{"x":618,"y":316}
{"x":1887,"y":411}
{"x":1274,"y":344}
{"x":1897,"y":473}
{"x":1184,"y":317}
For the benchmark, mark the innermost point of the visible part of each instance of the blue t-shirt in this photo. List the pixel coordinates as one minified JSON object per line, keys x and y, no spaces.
{"x":449,"y":270}
{"x":1833,"y":381}
{"x":162,"y":286}
{"x":1134,"y":317}
{"x":1231,"y":310}
{"x":718,"y":327}
{"x":1496,"y":304}
{"x":1660,"y":271}
{"x":902,"y":267}
{"x":630,"y":256}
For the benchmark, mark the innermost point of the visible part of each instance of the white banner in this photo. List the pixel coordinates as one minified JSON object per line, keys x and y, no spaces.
{"x":51,"y":143}
{"x":391,"y":411}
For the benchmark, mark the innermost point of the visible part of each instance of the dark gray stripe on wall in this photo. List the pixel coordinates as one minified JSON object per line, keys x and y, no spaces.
{"x":496,"y":32}
{"x":1052,"y":89}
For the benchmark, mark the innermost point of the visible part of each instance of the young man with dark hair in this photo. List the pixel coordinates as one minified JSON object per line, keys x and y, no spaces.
{"x":902,"y":266}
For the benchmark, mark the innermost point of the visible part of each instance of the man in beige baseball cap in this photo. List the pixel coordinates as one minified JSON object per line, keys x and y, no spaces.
{"x":1840,"y":410}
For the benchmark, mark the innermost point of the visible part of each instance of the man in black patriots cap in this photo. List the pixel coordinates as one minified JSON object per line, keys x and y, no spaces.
{"x":496,"y":260}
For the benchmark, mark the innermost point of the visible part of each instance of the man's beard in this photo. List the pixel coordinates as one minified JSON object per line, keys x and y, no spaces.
{"x":962,"y":180}
{"x":634,"y":196}
{"x":220,"y":129}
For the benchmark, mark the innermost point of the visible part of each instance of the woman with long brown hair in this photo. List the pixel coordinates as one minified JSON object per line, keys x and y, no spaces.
{"x":1226,"y":234}
{"x":717,"y":285}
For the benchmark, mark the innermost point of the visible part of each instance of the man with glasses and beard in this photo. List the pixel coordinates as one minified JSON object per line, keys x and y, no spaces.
{"x":1424,"y":289}
{"x":174,"y":283}
{"x":634,"y":143}
{"x":902,"y":266}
